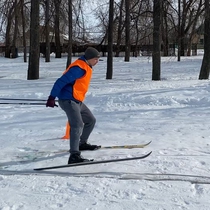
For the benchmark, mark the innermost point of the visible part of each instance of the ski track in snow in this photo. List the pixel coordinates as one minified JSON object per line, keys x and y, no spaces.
{"x":130,"y":109}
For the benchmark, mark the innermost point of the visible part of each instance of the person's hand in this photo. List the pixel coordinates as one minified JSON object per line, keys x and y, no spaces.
{"x":51,"y":102}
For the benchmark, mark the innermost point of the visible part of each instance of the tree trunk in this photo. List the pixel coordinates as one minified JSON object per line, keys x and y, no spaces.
{"x":120,"y":29}
{"x":165,"y":31}
{"x":70,"y":35}
{"x":14,"y":48}
{"x":127,"y":30}
{"x":205,"y":67}
{"x":57,"y":29}
{"x":179,"y":31}
{"x":110,"y":41}
{"x":23,"y":27}
{"x":8,"y":31}
{"x":47,"y":30}
{"x":156,"y":57}
{"x":33,"y":65}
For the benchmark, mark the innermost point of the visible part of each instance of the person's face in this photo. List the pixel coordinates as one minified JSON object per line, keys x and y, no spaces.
{"x":93,"y":61}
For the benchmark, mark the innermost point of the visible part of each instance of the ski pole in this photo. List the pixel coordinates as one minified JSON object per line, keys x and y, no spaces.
{"x":21,"y":99}
{"x":23,"y":103}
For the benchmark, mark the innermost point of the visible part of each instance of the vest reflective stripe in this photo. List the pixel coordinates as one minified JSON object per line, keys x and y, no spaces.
{"x":81,"y":85}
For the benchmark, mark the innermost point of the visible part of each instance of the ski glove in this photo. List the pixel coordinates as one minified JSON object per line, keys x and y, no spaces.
{"x":51,"y":102}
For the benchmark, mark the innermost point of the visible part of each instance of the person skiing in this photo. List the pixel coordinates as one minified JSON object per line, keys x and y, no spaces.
{"x":70,"y":89}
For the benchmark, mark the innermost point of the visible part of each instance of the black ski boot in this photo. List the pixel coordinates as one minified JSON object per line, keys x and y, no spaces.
{"x":76,"y":158}
{"x":87,"y":146}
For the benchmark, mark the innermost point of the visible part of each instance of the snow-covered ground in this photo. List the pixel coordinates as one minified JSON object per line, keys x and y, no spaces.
{"x":130,"y":109}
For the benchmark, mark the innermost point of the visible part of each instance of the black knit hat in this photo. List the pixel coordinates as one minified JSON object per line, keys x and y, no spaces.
{"x":91,"y":52}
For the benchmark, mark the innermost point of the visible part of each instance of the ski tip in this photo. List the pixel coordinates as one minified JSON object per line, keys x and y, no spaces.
{"x":149,"y":142}
{"x":150,"y":153}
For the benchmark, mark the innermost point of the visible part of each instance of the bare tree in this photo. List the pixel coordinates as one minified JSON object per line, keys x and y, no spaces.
{"x":205,"y":67}
{"x":127,"y":30}
{"x":47,"y":30}
{"x":14,"y":38}
{"x":70,"y":33}
{"x":8,"y":38}
{"x":33,"y":65}
{"x":120,"y":29}
{"x":191,"y":11}
{"x":141,"y":24}
{"x":23,"y":28}
{"x":179,"y":30}
{"x":194,"y":22}
{"x":57,"y":4}
{"x":156,"y":57}
{"x":110,"y":41}
{"x":165,"y":28}
{"x":140,"y":20}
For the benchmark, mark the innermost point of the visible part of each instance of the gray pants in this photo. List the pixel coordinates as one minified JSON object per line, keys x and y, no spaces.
{"x":81,"y":122}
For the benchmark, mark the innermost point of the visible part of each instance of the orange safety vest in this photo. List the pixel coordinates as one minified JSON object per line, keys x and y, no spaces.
{"x":81,"y":85}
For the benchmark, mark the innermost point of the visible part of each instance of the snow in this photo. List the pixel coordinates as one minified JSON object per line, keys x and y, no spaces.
{"x":130,"y":109}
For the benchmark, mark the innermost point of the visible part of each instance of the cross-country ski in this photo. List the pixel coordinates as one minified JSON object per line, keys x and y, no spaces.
{"x":94,"y":162}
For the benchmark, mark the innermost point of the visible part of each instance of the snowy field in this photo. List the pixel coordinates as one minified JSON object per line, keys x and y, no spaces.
{"x":130,"y":109}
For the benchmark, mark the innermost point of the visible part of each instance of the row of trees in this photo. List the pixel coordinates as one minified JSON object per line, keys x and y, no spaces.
{"x":130,"y":22}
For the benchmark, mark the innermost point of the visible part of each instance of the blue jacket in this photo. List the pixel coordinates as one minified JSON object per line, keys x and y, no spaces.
{"x":62,"y":88}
